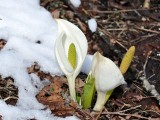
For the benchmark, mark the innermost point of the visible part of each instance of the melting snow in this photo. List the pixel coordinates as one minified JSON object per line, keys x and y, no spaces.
{"x":23,"y":24}
{"x":75,"y":3}
{"x":92,"y":24}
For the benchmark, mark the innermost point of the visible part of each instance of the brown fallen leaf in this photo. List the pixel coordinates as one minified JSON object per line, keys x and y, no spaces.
{"x":79,"y":85}
{"x":51,"y":95}
{"x":55,"y":13}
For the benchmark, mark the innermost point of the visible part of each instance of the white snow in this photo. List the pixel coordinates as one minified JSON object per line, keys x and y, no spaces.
{"x":87,"y":64}
{"x":92,"y":24}
{"x":22,"y":24}
{"x":75,"y":3}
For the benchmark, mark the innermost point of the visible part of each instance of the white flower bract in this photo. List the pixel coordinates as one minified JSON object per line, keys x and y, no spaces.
{"x":107,"y":77}
{"x":69,"y":33}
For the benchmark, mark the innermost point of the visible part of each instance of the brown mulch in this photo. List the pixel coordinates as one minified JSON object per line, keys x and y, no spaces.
{"x":8,"y":91}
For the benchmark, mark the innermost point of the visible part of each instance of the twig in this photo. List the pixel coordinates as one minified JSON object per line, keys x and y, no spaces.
{"x":157,"y":112}
{"x":99,"y":114}
{"x":130,"y":108}
{"x":85,"y":115}
{"x":123,"y":114}
{"x":100,"y":30}
{"x":148,"y":30}
{"x":10,"y":97}
{"x":117,"y":29}
{"x":142,"y":38}
{"x":118,"y":11}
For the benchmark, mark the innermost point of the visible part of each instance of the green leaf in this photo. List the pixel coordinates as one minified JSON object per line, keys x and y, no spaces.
{"x":72,"y":55}
{"x":88,"y":92}
{"x":108,"y":94}
{"x":78,"y":98}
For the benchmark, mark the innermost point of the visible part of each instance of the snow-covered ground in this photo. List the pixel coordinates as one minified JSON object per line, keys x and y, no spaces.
{"x":23,"y":24}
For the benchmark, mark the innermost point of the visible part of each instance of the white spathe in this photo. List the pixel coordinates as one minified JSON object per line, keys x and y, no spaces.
{"x":107,"y":77}
{"x":69,"y":33}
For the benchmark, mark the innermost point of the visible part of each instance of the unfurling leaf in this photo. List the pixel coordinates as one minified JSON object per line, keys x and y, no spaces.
{"x":88,"y":92}
{"x":72,"y":55}
{"x":127,"y":59}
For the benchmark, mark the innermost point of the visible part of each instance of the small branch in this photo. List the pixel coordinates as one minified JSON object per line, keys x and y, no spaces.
{"x":130,"y":108}
{"x":10,"y":97}
{"x":107,"y":34}
{"x":148,"y":30}
{"x":99,"y":115}
{"x":123,"y":114}
{"x":83,"y":113}
{"x":118,"y":11}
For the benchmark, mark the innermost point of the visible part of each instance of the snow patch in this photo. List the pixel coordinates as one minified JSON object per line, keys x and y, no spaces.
{"x":30,"y":32}
{"x":75,"y":3}
{"x":87,"y":64}
{"x":92,"y":24}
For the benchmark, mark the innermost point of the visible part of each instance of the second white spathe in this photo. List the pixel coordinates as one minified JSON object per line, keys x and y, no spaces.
{"x":107,"y":77}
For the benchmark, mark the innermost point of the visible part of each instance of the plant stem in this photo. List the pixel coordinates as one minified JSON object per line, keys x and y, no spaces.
{"x":71,"y":83}
{"x":101,"y":100}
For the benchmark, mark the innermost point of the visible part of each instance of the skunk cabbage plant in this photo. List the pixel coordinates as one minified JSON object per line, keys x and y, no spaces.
{"x":107,"y":77}
{"x":70,"y":49}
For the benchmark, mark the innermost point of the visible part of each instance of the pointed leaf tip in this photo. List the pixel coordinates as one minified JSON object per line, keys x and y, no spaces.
{"x":88,"y":91}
